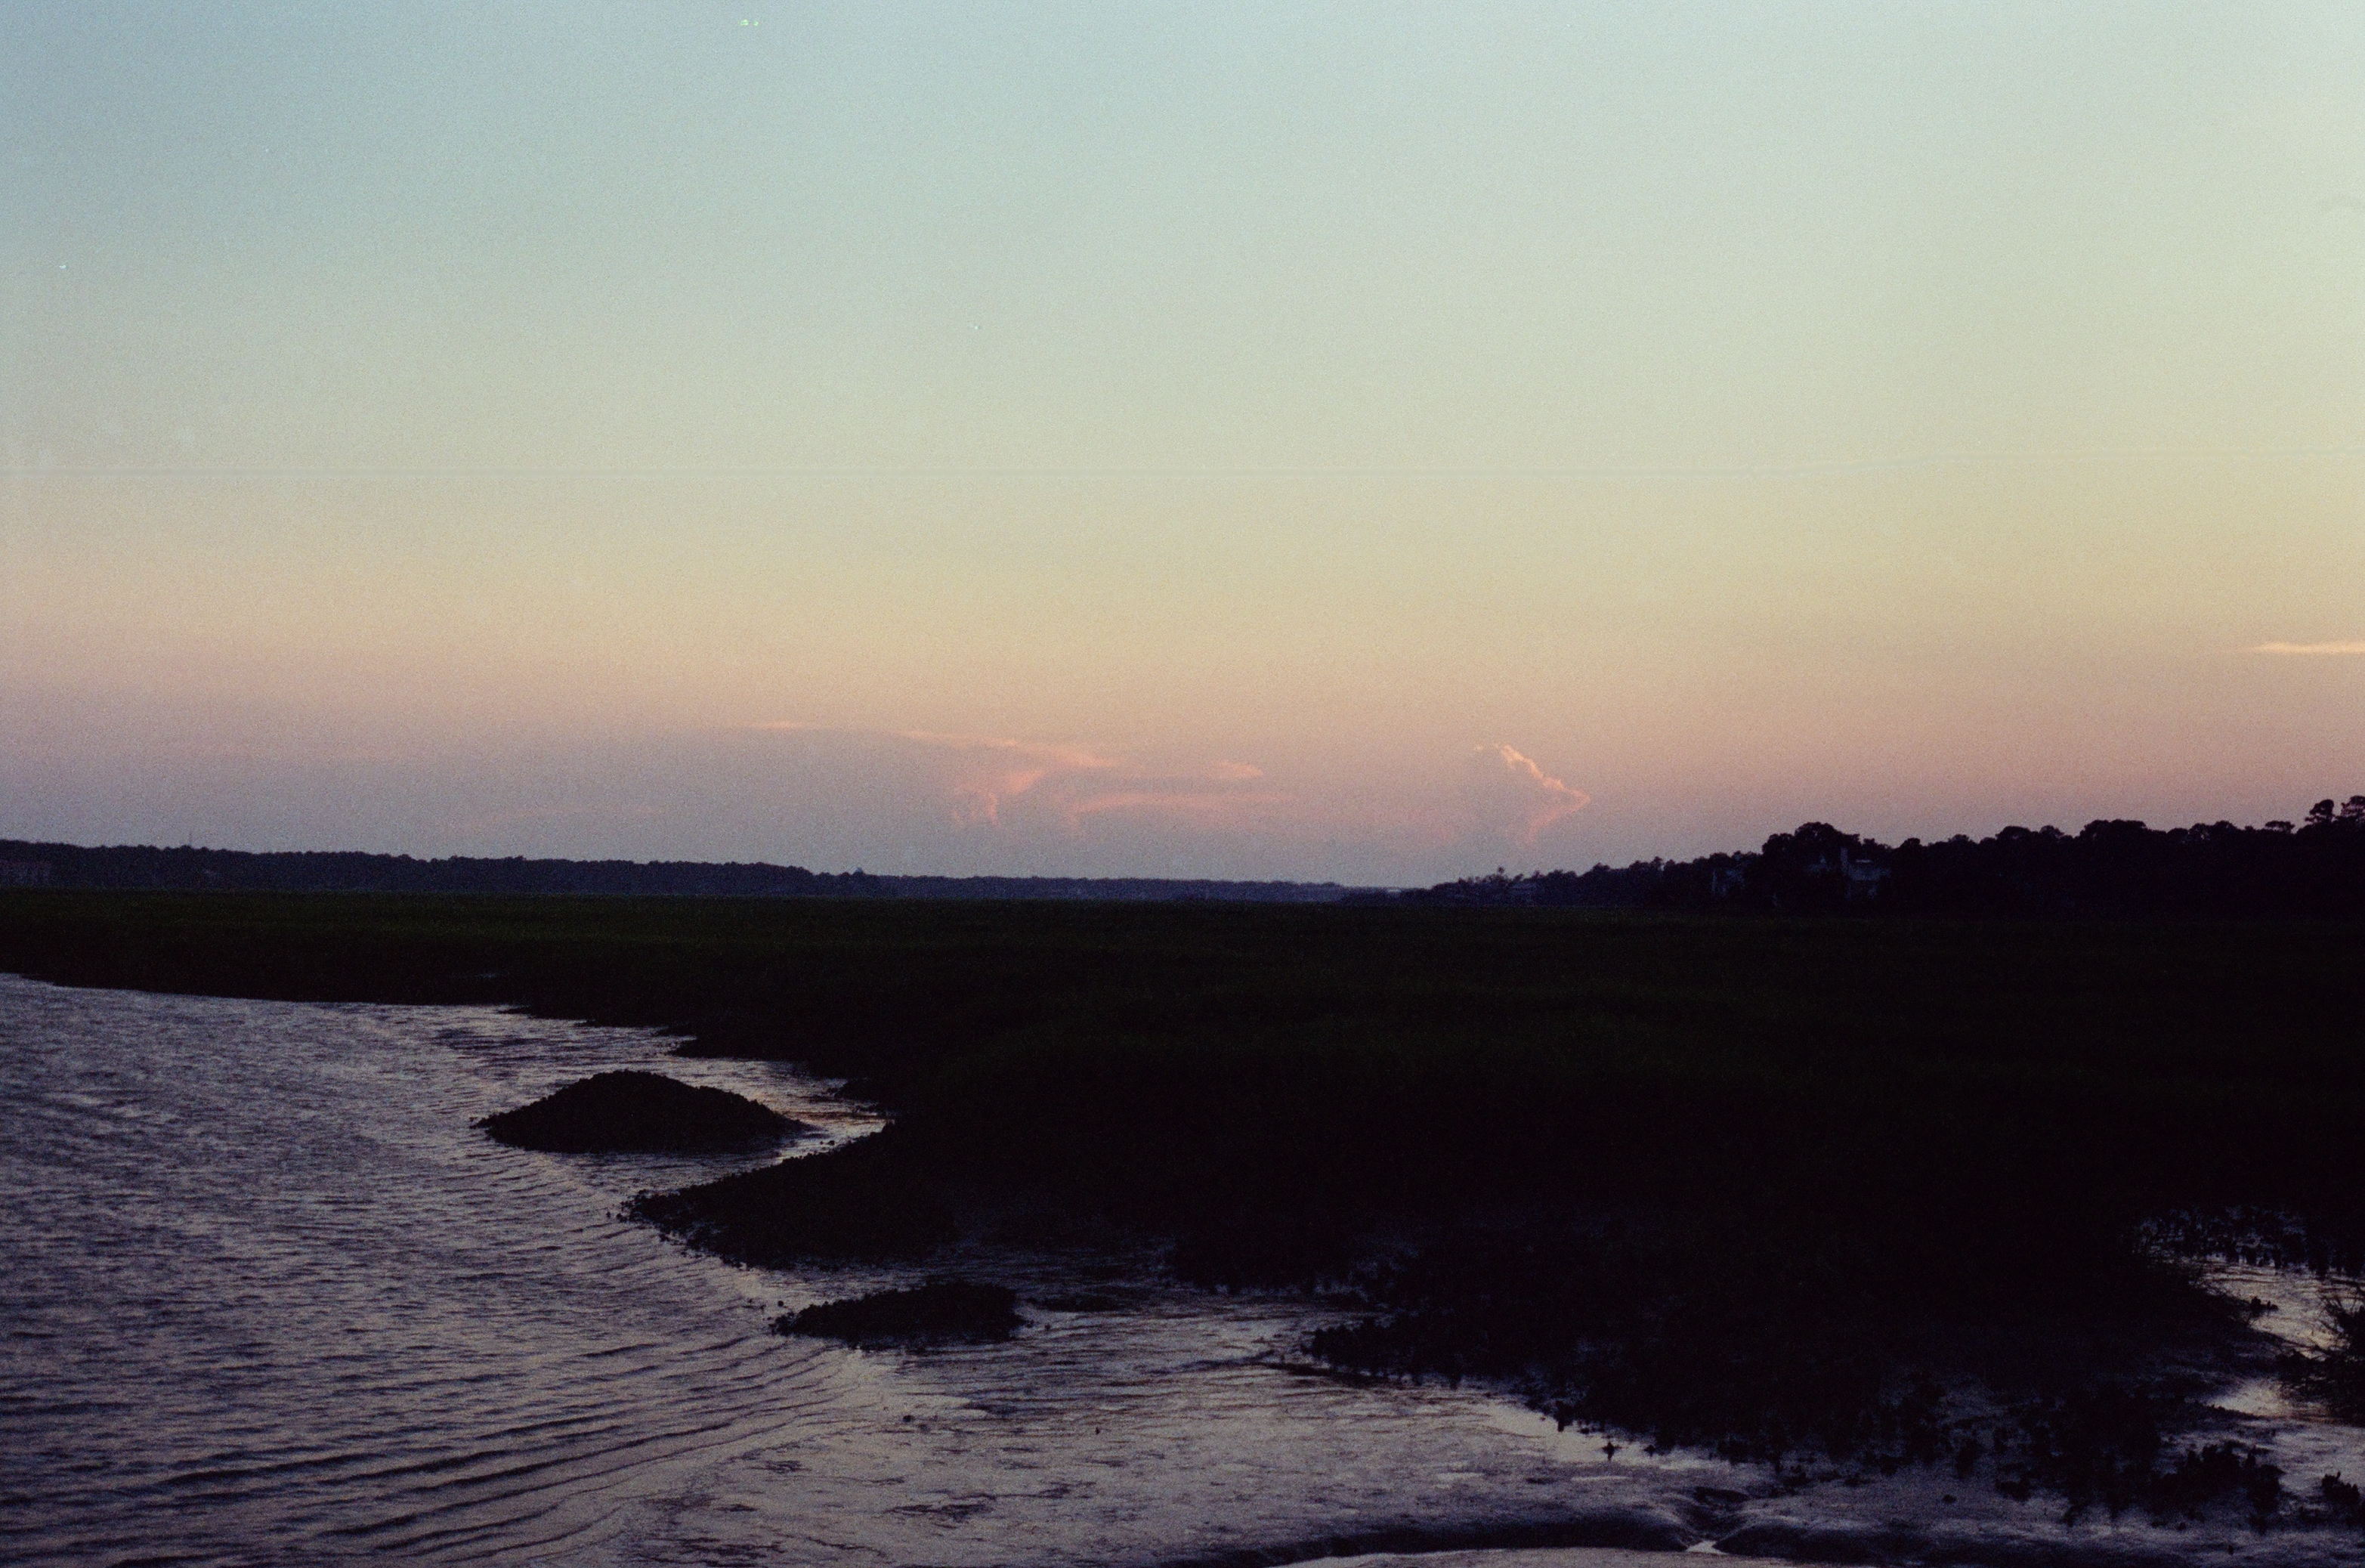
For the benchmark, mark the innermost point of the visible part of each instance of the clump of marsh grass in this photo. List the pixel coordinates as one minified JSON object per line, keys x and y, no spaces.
{"x":2336,"y":1373}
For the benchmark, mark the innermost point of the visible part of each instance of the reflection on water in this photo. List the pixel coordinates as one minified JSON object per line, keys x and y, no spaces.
{"x":281,"y":1297}
{"x":268,"y":1297}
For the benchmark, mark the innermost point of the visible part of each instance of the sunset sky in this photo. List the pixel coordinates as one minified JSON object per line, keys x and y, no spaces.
{"x":1360,"y":440}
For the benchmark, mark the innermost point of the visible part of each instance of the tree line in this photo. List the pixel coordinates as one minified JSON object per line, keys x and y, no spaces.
{"x":190,"y":869}
{"x":2314,"y":869}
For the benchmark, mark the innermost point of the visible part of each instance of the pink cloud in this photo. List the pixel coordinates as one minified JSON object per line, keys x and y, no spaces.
{"x":988,"y":770}
{"x":1510,"y":795}
{"x":981,"y":778}
{"x":1010,"y":794}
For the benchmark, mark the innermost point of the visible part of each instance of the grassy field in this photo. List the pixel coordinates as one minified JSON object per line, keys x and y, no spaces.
{"x":1793,"y":1130}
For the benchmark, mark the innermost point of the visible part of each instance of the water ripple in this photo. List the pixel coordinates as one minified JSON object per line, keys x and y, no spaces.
{"x":283,"y":1302}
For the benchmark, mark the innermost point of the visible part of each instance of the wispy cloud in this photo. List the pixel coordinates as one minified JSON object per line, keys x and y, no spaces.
{"x":1513,"y":796}
{"x":988,"y":770}
{"x":2316,"y":649}
{"x":998,"y":801}
{"x":981,"y":780}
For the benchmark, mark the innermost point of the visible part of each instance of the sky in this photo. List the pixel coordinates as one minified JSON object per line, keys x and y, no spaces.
{"x":1370,"y":441}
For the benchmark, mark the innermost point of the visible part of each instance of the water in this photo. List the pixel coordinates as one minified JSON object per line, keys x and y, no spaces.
{"x":269,"y":1298}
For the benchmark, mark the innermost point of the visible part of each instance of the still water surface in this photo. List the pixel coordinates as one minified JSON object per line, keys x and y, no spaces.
{"x":269,"y":1298}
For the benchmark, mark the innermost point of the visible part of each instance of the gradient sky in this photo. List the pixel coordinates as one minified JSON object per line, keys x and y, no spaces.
{"x":1367,"y":441}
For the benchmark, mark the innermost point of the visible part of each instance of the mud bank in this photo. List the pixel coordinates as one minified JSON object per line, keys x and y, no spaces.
{"x":635,"y":1111}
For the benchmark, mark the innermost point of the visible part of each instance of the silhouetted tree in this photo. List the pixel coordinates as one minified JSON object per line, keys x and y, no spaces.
{"x":2111,"y":868}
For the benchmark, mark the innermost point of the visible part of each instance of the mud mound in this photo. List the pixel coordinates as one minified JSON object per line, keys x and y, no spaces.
{"x":940,"y":1312}
{"x":624,"y":1111}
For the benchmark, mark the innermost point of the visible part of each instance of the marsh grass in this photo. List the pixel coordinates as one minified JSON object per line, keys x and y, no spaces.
{"x":2334,"y":1374}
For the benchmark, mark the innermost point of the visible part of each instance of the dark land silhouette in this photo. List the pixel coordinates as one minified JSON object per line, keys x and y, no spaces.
{"x":1748,"y":1180}
{"x":939,"y":1312}
{"x":2313,"y":870}
{"x":615,"y":1111}
{"x":190,"y":869}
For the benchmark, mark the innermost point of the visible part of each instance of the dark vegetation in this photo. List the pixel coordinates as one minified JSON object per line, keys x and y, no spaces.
{"x":940,"y":1312}
{"x":1747,"y":1333}
{"x":866,"y":1201}
{"x":1755,"y":1184}
{"x":149,"y":868}
{"x":2123,"y":870}
{"x":2335,"y":1374}
{"x":2314,"y":869}
{"x":1759,"y":1340}
{"x":619,"y":1111}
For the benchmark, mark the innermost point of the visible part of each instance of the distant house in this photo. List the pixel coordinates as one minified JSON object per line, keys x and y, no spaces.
{"x":1863,"y":876}
{"x":23,"y":874}
{"x":1860,"y":877}
{"x":1726,"y":881}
